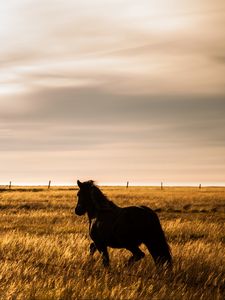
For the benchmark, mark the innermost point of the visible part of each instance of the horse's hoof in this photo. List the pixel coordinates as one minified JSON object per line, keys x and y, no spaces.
{"x":106,"y":264}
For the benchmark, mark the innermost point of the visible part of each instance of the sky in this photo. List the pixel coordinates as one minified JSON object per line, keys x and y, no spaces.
{"x":112,"y":90}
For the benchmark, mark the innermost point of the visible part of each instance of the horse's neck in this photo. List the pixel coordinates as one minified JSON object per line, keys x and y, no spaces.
{"x":90,"y":221}
{"x":106,"y":204}
{"x":108,"y":208}
{"x":101,"y":204}
{"x":112,"y":205}
{"x":91,"y":215}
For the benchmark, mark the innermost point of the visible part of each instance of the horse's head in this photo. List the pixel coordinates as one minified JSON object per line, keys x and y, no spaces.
{"x":84,"y":203}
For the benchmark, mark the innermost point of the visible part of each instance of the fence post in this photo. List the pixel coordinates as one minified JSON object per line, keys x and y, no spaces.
{"x":10,"y":185}
{"x":161,"y":185}
{"x":127,"y":184}
{"x":49,"y":184}
{"x":200,"y":186}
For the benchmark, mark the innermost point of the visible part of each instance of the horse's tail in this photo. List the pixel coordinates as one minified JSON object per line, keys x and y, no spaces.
{"x":156,"y":242}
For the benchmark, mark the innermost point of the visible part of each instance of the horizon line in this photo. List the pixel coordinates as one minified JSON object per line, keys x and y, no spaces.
{"x":119,"y":183}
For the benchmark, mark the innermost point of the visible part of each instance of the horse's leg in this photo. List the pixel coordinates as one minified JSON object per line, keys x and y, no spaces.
{"x":104,"y":252}
{"x":137,"y":254}
{"x":93,"y":249}
{"x":159,"y":258}
{"x":105,"y":257}
{"x":153,"y":250}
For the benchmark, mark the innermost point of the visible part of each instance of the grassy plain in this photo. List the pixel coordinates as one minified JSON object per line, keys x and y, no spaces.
{"x":44,"y":246}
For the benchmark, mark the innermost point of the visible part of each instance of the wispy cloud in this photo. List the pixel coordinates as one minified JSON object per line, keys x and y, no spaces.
{"x":130,"y":88}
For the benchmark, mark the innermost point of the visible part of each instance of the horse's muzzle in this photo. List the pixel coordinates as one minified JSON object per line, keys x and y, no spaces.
{"x":79,"y":210}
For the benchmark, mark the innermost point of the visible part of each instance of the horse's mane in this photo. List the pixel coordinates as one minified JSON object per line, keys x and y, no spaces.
{"x":101,"y":201}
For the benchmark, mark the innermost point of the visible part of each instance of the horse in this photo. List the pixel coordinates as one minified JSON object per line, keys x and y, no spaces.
{"x":121,"y":227}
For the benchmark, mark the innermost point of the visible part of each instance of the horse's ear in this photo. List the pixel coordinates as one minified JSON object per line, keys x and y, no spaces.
{"x":91,"y":182}
{"x":79,"y":183}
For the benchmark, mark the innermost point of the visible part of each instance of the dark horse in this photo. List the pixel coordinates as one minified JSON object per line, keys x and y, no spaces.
{"x":117,"y":227}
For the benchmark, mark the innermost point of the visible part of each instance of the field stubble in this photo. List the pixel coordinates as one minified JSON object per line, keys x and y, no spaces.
{"x":44,"y":246}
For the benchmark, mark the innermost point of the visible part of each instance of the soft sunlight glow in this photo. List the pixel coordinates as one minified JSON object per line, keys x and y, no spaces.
{"x":10,"y":89}
{"x":112,"y":91}
{"x":166,"y":24}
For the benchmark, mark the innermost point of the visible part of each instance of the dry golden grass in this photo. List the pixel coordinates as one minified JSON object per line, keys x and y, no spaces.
{"x":44,"y":246}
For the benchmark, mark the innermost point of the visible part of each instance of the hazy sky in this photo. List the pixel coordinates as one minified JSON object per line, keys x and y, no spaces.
{"x":112,"y":90}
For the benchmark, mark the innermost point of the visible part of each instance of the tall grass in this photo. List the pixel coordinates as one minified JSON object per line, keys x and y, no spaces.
{"x":44,"y":247}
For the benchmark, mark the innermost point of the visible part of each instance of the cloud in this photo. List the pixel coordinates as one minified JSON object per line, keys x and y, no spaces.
{"x":220,"y":59}
{"x":127,"y":87}
{"x":73,"y":119}
{"x":87,"y":44}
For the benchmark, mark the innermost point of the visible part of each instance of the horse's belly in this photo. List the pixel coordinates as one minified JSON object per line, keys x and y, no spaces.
{"x":130,"y":228}
{"x":117,"y":239}
{"x":116,"y":244}
{"x":106,"y":236}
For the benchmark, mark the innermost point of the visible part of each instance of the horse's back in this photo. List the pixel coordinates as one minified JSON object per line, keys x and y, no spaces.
{"x":138,"y":214}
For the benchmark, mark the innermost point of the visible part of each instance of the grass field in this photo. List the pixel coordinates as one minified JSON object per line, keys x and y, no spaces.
{"x":44,"y":246}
